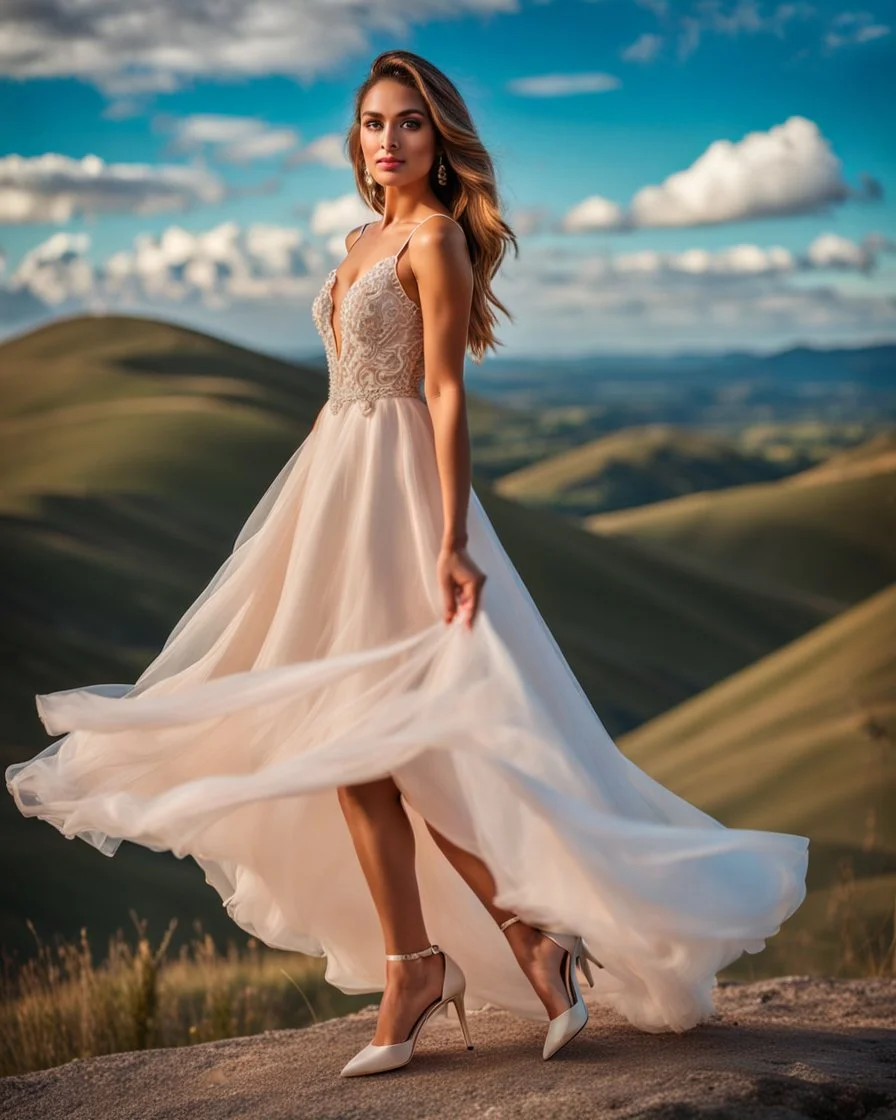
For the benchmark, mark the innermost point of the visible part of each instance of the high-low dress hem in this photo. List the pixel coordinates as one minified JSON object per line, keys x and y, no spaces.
{"x":317,"y":657}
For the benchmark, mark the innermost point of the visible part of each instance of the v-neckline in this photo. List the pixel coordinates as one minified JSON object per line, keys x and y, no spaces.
{"x":337,"y":350}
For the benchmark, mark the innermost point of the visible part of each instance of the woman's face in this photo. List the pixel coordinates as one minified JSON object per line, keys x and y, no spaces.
{"x":394,"y":122}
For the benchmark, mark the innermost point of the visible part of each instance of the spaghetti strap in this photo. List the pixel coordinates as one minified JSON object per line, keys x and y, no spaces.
{"x":420,"y":223}
{"x":360,"y":235}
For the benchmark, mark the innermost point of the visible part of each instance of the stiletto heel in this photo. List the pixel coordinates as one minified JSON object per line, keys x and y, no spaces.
{"x":462,"y":1015}
{"x":585,"y":966}
{"x":379,"y":1059}
{"x":565,"y":1026}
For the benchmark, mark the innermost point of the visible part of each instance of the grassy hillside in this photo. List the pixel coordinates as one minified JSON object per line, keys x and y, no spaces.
{"x":827,"y":534}
{"x":871,"y":457}
{"x":632,"y":467}
{"x":133,"y":452}
{"x":804,"y":741}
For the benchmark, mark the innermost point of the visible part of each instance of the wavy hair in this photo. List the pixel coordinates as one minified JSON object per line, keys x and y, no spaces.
{"x":470,"y":194}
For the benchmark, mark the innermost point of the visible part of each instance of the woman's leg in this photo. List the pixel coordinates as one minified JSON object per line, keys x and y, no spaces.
{"x":538,"y":956}
{"x":384,"y":842}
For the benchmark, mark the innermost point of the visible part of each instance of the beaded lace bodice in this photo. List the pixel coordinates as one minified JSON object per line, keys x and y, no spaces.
{"x":381,"y":330}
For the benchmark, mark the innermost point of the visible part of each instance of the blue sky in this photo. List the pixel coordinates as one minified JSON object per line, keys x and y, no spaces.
{"x":698,"y":175}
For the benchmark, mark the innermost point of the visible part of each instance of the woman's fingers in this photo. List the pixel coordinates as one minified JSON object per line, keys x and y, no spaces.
{"x":471,"y":596}
{"x":461,"y":583}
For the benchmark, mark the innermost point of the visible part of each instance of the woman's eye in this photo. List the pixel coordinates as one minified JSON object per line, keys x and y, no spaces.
{"x":416,"y":124}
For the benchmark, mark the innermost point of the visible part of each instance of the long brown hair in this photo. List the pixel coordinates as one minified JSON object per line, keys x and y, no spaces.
{"x":470,"y":194}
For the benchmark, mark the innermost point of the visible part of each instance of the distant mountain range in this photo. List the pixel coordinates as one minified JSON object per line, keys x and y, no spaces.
{"x":720,"y":390}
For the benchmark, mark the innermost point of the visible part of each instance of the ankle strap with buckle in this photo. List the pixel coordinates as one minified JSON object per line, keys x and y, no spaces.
{"x":430,"y":951}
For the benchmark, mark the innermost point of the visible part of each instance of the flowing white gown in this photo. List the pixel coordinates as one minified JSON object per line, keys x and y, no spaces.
{"x":317,"y":656}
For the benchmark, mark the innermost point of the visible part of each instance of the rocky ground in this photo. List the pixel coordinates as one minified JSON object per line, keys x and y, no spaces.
{"x":778,"y":1049}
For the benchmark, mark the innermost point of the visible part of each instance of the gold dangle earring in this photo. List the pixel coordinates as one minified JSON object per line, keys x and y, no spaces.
{"x":368,"y":178}
{"x":442,"y":173}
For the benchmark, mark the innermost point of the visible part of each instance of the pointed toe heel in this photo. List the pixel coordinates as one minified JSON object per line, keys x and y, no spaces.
{"x":565,"y":1026}
{"x":379,"y":1059}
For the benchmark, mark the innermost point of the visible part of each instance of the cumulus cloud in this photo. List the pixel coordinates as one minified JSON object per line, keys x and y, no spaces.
{"x":328,"y":150}
{"x":229,"y":265}
{"x":790,"y":169}
{"x":257,"y":282}
{"x":55,"y":188}
{"x":56,"y":270}
{"x":231,"y":139}
{"x":644,"y":49}
{"x":595,"y":213}
{"x":223,"y":266}
{"x":736,"y":260}
{"x":336,"y":217}
{"x":128,"y":48}
{"x":852,"y":28}
{"x":830,"y":250}
{"x":527,"y":221}
{"x":563,"y":85}
{"x":644,"y":302}
{"x":216,"y":267}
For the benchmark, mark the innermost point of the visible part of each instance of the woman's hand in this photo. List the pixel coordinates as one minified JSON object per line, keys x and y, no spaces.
{"x":461,"y":583}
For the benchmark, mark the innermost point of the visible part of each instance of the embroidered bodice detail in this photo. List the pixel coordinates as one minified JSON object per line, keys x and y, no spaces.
{"x":381,"y":331}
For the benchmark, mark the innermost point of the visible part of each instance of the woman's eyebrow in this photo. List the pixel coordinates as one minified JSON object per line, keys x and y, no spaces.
{"x":400,"y":113}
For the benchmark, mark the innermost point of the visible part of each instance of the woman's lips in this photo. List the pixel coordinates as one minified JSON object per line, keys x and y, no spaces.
{"x":389,"y":162}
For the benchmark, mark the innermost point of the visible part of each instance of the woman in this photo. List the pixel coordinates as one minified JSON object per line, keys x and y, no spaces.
{"x":360,"y":744}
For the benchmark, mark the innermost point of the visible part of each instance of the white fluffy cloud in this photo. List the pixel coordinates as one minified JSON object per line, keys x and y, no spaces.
{"x":232,"y":139}
{"x":232,"y":266}
{"x":852,"y":28}
{"x":830,"y":250}
{"x":790,"y":169}
{"x":644,"y":49}
{"x":737,"y":260}
{"x":56,"y":270}
{"x":562,"y":85}
{"x":654,"y":302}
{"x":215,"y":267}
{"x":328,"y":150}
{"x":55,"y":188}
{"x":127,"y":48}
{"x":247,"y":139}
{"x":595,"y":213}
{"x":335,"y":217}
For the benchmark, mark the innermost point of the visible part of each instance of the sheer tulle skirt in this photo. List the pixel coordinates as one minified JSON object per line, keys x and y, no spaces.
{"x":316,"y":657}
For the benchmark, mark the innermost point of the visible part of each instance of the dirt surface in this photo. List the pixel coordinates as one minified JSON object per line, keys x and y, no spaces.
{"x":783,"y":1049}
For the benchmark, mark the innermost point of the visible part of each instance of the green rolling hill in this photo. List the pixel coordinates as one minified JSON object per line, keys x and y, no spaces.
{"x":132,"y":453}
{"x":826,"y":535}
{"x":632,"y":467}
{"x":804,"y":741}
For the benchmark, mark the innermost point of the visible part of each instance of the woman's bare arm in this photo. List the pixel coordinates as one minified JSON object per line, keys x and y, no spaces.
{"x":445,"y":282}
{"x":444,"y":275}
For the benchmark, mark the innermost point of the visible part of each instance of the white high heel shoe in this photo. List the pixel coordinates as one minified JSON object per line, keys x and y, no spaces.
{"x":378,"y":1059}
{"x":565,"y":1026}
